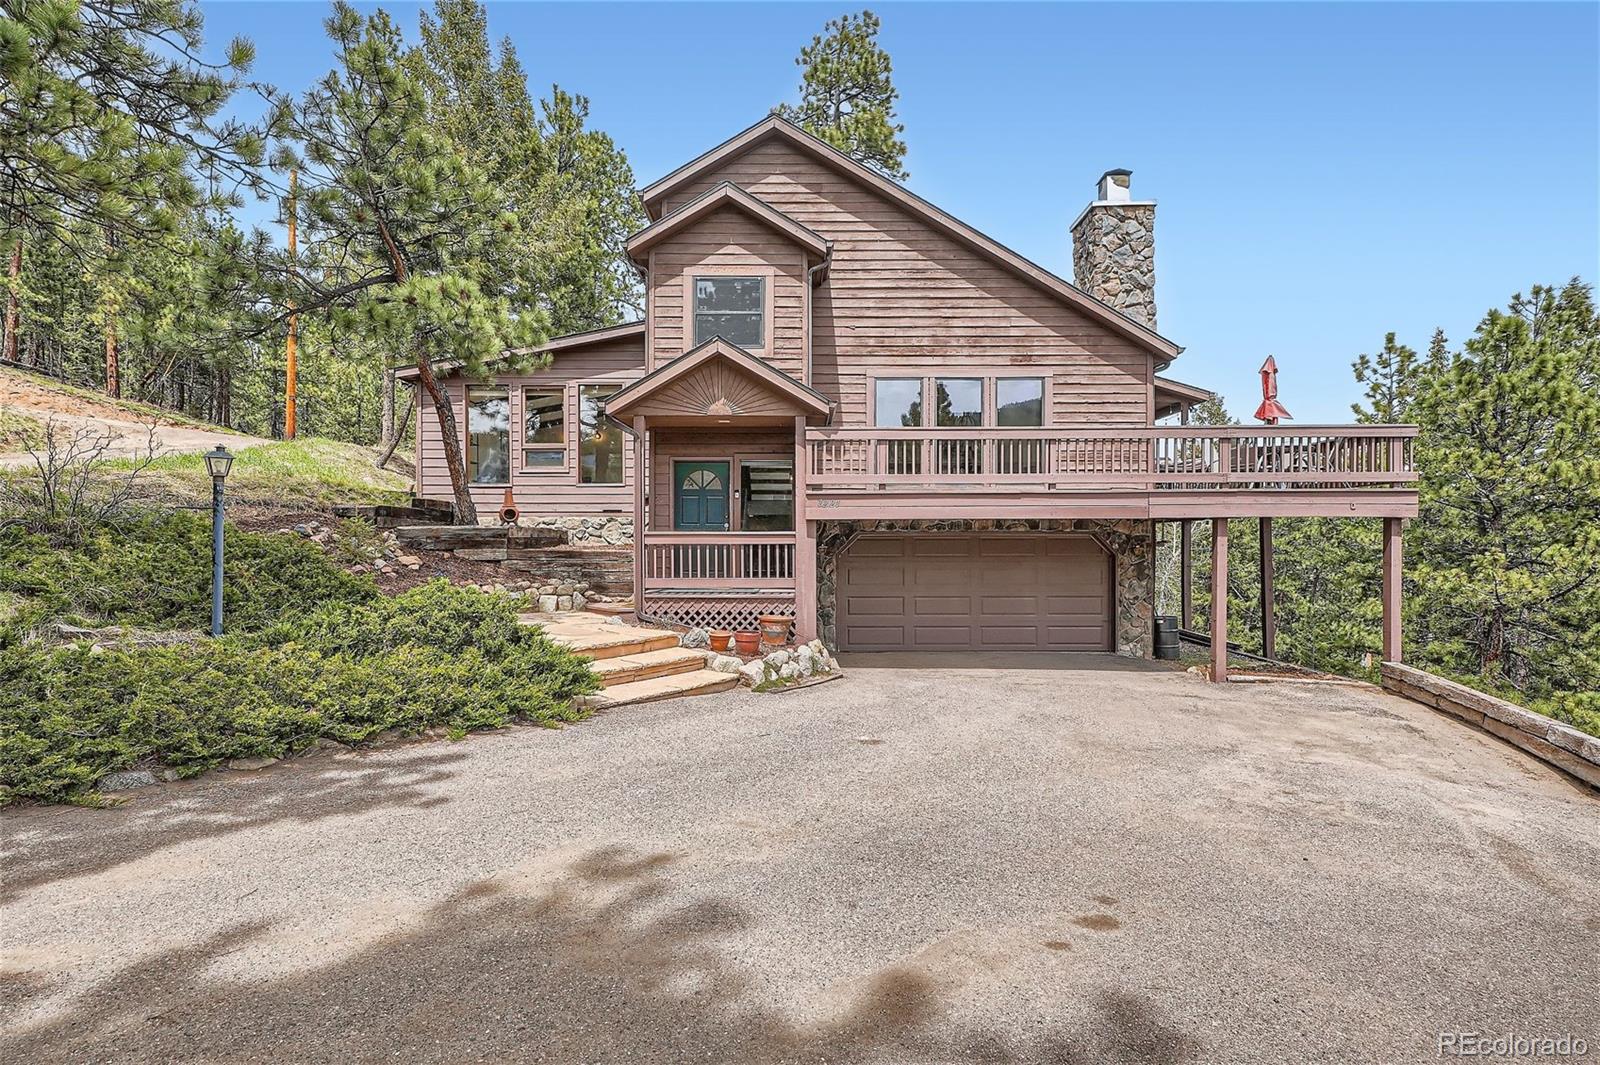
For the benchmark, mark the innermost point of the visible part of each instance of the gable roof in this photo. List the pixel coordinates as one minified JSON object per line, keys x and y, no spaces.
{"x":801,"y":397}
{"x":775,"y":128}
{"x":561,"y":343}
{"x":726,"y":194}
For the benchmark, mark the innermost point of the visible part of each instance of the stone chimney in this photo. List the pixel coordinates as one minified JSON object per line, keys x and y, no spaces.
{"x":1114,"y":248}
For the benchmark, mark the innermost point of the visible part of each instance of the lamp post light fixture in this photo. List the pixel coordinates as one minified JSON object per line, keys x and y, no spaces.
{"x":218,"y":461}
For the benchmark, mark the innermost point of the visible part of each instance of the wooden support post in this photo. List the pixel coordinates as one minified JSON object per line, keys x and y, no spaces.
{"x":1269,"y":620}
{"x":805,"y":543}
{"x":1185,"y":574}
{"x":1392,"y":572}
{"x":1219,"y":600}
{"x":639,"y":518}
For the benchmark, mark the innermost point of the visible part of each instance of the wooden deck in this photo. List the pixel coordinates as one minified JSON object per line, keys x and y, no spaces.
{"x":1162,"y":472}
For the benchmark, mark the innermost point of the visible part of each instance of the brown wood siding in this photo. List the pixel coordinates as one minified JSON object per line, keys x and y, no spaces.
{"x":667,"y":445}
{"x":904,"y":299}
{"x":542,"y":493}
{"x":724,"y":241}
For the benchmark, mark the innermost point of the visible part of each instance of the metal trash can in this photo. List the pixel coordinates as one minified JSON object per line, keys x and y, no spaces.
{"x":1167,"y":638}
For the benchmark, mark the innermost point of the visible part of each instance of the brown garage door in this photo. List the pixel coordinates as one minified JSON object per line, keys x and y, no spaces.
{"x":991,"y":593}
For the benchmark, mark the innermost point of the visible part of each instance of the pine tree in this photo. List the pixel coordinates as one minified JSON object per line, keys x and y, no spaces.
{"x":847,"y":96}
{"x":1506,"y":554}
{"x":1391,"y":378}
{"x":105,"y":113}
{"x":571,"y":185}
{"x":418,"y":249}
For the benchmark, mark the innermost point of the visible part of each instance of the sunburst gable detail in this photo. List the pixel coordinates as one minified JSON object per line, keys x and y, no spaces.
{"x":717,"y":388}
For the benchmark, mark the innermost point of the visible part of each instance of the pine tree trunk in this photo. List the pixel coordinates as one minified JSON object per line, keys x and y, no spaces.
{"x":224,"y":397}
{"x":400,"y":431}
{"x":13,"y":314}
{"x":386,"y":428}
{"x":113,"y":367}
{"x":466,"y":511}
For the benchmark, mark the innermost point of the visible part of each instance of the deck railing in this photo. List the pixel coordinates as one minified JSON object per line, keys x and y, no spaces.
{"x":1151,"y":459}
{"x":719,"y":560}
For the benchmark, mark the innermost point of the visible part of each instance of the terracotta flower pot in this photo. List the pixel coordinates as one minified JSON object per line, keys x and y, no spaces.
{"x":719,"y":640}
{"x":747,"y":642}
{"x":774,"y":630}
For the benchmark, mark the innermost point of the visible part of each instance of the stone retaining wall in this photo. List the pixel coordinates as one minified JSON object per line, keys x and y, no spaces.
{"x":610,"y":530}
{"x":533,"y":558}
{"x":1545,"y":738}
{"x":1131,"y":543}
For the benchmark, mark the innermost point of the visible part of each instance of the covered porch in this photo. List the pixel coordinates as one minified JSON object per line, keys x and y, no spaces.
{"x":723,"y":535}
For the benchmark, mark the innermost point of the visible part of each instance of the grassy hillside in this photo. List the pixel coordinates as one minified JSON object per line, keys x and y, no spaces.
{"x":309,"y":473}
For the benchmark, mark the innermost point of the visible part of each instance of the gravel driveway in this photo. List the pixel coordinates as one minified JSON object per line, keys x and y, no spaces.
{"x":1100,"y":862}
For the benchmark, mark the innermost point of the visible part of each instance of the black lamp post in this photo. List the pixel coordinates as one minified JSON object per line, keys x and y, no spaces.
{"x":218,"y":462}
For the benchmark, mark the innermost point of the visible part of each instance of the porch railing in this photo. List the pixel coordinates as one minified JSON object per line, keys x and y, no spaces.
{"x":718,"y":560}
{"x":1152,"y":459}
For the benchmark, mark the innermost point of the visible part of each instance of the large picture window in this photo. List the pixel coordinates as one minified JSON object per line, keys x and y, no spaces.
{"x":600,"y":443}
{"x":766,"y":495}
{"x":1019,"y":401}
{"x":897,"y":402}
{"x":732,"y":308}
{"x":958,"y":401}
{"x":488,"y":436}
{"x":544,"y":429}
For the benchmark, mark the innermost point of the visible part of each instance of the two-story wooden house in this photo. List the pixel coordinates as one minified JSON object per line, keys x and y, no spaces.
{"x":845,"y":405}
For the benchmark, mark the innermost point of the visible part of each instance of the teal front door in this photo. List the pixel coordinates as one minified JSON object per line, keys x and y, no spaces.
{"x":700,"y":496}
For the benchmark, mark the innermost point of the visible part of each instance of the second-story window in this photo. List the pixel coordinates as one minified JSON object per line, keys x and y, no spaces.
{"x":732,"y":308}
{"x":958,"y":402}
{"x":1018,"y":401}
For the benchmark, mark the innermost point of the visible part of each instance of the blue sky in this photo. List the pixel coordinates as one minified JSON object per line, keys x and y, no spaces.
{"x":1325,"y":172}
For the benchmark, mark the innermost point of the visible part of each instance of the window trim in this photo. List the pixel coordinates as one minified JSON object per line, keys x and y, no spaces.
{"x":523,"y":447}
{"x":466,"y":433}
{"x":768,"y":275}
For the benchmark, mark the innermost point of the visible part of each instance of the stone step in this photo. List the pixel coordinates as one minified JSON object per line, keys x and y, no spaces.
{"x":624,"y":669}
{"x":592,"y":636}
{"x":700,"y":682}
{"x":622,"y":609}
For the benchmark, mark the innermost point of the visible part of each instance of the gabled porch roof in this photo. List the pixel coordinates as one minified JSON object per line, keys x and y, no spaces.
{"x":726,"y":194}
{"x":721,"y":383}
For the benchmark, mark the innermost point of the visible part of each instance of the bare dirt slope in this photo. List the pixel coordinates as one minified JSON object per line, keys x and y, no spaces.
{"x":128,"y":425}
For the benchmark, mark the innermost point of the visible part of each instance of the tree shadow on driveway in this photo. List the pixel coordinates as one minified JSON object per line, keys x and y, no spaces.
{"x":46,"y":844}
{"x":607,"y":963}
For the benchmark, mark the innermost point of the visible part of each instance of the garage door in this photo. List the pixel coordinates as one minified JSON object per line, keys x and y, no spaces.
{"x":990,"y":593}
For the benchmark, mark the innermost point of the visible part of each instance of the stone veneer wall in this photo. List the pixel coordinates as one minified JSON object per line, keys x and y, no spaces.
{"x":1131,"y":543}
{"x":607,"y":529}
{"x":1114,"y":257}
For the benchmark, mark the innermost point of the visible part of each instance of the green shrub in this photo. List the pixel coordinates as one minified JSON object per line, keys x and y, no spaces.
{"x":1581,"y":710}
{"x":348,"y":671}
{"x":155,"y":572}
{"x":356,"y":541}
